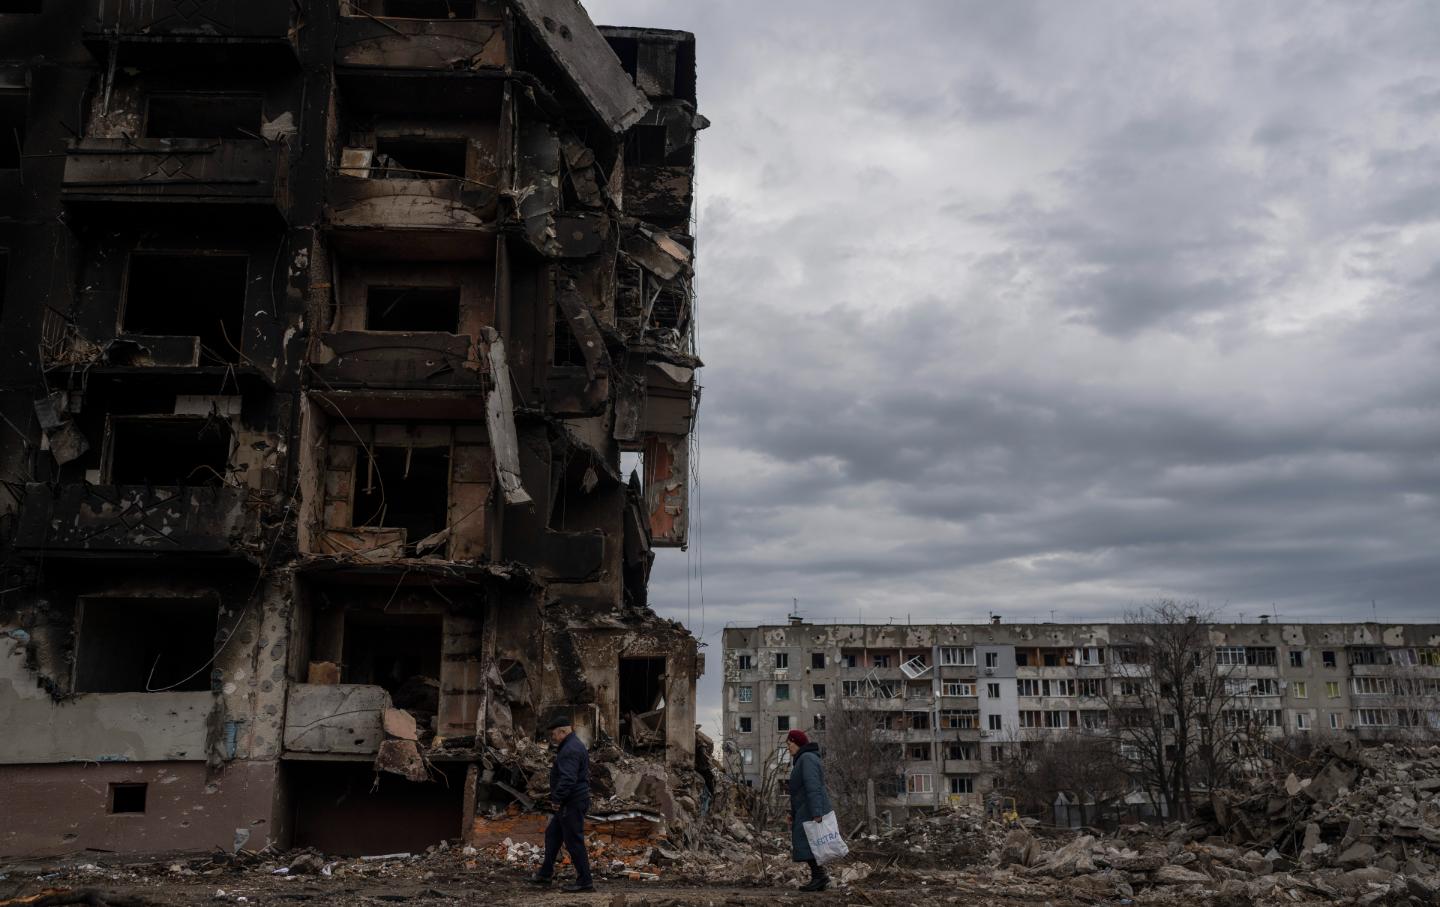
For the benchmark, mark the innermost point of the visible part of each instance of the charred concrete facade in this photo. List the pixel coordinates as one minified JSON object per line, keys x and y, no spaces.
{"x":957,"y":697}
{"x":326,"y":325}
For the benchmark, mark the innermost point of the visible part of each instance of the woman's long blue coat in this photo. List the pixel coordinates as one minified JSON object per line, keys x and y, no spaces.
{"x":808,"y":798}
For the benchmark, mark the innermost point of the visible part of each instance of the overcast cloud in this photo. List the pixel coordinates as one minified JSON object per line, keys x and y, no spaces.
{"x":1021,"y":307}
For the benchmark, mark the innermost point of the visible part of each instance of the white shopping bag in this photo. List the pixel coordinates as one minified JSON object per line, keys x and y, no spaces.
{"x":824,"y":838}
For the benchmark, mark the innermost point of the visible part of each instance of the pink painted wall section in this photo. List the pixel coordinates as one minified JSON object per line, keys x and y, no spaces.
{"x":67,"y":807}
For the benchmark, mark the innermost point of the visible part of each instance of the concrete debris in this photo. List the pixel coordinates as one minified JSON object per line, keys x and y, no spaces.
{"x":399,"y":724}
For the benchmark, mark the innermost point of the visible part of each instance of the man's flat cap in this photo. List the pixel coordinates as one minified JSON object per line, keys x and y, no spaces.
{"x":559,"y":721}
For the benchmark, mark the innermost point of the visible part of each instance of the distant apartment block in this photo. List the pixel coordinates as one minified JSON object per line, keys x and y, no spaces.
{"x":957,"y":697}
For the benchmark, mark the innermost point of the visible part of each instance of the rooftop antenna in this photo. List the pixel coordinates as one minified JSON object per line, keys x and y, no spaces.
{"x":1374,"y":614}
{"x":794,"y":615}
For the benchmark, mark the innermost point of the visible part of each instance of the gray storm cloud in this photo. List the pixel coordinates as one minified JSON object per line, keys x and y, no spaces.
{"x":1022,"y":307}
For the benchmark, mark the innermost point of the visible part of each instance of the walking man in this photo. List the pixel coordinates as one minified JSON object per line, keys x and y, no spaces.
{"x":570,"y":798}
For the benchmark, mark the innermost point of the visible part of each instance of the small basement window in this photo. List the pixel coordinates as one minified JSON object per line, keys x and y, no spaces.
{"x":188,"y":296}
{"x":419,"y":158}
{"x":186,"y":451}
{"x":430,"y":9}
{"x":127,"y":798}
{"x":13,"y":106}
{"x":135,"y":645}
{"x":403,"y":488}
{"x":412,"y":309}
{"x":202,"y":115}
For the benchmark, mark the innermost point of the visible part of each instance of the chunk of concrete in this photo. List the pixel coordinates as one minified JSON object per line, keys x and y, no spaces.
{"x":399,"y":724}
{"x":1178,"y":875}
{"x":1018,"y":848}
{"x":1357,"y":855}
{"x":323,"y":672}
{"x":401,"y":757}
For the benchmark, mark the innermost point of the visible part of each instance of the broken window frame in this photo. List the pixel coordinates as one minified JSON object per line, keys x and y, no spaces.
{"x":224,"y":100}
{"x":86,"y":676}
{"x":203,"y":424}
{"x":390,"y":143}
{"x":961,"y":656}
{"x":234,"y":353}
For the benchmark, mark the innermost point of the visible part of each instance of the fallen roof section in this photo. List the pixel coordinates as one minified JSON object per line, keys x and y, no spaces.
{"x":582,"y":53}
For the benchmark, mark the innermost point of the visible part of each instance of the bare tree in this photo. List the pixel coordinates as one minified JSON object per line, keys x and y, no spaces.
{"x":1415,"y":689}
{"x":1040,"y":765}
{"x":858,"y":747}
{"x":1168,"y":700}
{"x":764,"y":800}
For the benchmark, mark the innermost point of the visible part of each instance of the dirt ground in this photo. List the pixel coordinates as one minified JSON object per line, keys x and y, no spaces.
{"x":424,"y":886}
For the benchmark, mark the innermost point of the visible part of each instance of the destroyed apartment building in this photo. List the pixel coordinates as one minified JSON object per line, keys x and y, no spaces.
{"x":326,"y":326}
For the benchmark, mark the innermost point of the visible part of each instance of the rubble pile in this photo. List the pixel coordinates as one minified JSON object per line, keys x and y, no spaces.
{"x":1359,"y":807}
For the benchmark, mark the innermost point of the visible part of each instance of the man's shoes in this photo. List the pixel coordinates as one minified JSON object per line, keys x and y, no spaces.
{"x":816,"y":884}
{"x":538,"y":879}
{"x":577,"y":887}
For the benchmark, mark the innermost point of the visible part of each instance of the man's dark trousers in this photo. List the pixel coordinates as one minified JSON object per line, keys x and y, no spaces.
{"x":568,"y":825}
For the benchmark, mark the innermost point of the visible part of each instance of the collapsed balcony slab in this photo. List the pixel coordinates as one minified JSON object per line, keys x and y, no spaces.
{"x":566,"y":33}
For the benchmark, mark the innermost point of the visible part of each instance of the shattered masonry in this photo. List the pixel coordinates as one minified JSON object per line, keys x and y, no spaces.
{"x":326,"y":327}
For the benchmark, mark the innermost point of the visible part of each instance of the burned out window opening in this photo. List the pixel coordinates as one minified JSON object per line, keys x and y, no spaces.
{"x":203,"y":115}
{"x":399,"y":652}
{"x":137,"y":645}
{"x":419,"y":157}
{"x":642,"y":702}
{"x":13,"y":106}
{"x":390,"y":308}
{"x":402,"y":488}
{"x":187,"y":295}
{"x":187,"y":451}
{"x":645,"y":146}
{"x":427,"y":9}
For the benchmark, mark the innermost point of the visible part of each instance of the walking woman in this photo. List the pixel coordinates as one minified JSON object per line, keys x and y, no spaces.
{"x":809,"y":802}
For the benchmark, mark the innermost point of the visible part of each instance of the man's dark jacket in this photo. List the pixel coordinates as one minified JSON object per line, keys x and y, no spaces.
{"x":570,"y":775}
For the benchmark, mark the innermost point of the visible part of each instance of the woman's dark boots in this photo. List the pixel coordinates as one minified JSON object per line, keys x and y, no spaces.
{"x":819,"y":878}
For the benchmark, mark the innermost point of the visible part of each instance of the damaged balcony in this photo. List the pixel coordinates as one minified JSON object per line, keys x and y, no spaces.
{"x":450,"y":37}
{"x":126,"y":172}
{"x":395,"y":491}
{"x":228,"y":31}
{"x":409,"y":217}
{"x":406,"y":337}
{"x":131,"y":520}
{"x":160,"y":484}
{"x":408,"y":57}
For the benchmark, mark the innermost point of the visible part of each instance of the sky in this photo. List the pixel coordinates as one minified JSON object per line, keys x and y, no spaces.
{"x":1051,"y":309}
